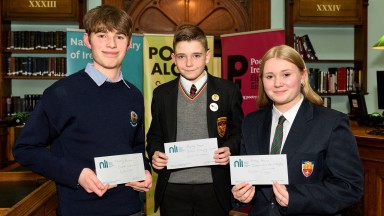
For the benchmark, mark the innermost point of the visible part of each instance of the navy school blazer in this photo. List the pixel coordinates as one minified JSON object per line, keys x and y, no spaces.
{"x":321,"y":138}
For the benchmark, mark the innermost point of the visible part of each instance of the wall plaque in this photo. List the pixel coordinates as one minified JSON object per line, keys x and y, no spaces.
{"x":328,"y":11}
{"x":37,"y":10}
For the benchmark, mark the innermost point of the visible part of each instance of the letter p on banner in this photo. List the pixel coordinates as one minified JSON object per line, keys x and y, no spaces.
{"x":241,"y":53}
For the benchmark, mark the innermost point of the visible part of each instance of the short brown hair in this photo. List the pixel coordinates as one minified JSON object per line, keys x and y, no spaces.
{"x":189,"y":32}
{"x":107,"y":18}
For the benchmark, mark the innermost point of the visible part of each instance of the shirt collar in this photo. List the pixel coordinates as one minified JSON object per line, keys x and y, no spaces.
{"x":290,"y":114}
{"x":199,"y":84}
{"x":98,"y":77}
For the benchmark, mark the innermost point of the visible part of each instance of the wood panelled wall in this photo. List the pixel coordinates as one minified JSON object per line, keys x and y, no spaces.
{"x":215,"y":17}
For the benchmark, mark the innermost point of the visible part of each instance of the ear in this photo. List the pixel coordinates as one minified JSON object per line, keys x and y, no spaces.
{"x":304,"y":75}
{"x":207,"y":56}
{"x":87,"y":41}
{"x":129,"y":43}
{"x":173,"y":58}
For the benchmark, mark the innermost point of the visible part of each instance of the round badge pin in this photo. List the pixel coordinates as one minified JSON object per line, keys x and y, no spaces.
{"x":214,"y":107}
{"x":215,"y":97}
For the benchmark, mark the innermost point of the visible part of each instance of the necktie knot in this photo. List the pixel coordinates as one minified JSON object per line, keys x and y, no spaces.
{"x":193,"y":90}
{"x":281,"y":120}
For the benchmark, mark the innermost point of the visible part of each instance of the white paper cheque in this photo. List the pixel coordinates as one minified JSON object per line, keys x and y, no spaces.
{"x":259,"y":169}
{"x":120,"y":169}
{"x":191,"y":153}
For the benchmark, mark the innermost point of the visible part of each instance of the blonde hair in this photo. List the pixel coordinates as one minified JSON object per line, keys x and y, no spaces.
{"x":289,"y":54}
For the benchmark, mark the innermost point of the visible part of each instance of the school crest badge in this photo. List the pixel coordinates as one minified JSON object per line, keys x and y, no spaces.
{"x":307,"y":168}
{"x":221,"y":126}
{"x":133,"y":119}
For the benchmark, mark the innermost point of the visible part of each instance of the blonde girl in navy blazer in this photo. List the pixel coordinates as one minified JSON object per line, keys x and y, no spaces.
{"x":324,"y":169}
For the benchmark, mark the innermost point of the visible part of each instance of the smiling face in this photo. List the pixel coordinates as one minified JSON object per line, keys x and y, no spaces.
{"x":282,"y":83}
{"x":190,"y":57}
{"x":108,"y":49}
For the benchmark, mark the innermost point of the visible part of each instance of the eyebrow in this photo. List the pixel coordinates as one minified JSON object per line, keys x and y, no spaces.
{"x":192,"y":53}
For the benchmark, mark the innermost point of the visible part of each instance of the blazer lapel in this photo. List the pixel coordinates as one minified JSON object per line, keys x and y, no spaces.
{"x":263,"y":142}
{"x":212,"y":116}
{"x":293,"y":140}
{"x":265,"y":131}
{"x":171,"y":107}
{"x":298,"y":130}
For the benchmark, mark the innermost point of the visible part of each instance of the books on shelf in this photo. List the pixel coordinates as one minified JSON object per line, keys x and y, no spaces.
{"x":17,"y":104}
{"x":311,"y":54}
{"x":36,"y":40}
{"x":304,"y":46}
{"x":36,"y":66}
{"x":334,"y":80}
{"x":299,"y":46}
{"x":341,"y":79}
{"x":327,"y":102}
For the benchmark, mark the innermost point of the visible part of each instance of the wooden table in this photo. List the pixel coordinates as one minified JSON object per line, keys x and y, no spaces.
{"x":371,"y":149}
{"x":26,"y":193}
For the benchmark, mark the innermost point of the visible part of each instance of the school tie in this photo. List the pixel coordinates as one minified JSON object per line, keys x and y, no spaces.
{"x":193,"y":90}
{"x":278,"y":137}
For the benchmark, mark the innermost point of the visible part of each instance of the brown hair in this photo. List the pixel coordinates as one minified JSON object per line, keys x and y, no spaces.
{"x":107,"y":18}
{"x":291,"y":55}
{"x":188,"y":32}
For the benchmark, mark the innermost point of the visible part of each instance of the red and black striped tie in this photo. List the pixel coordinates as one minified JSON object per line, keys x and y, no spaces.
{"x":193,"y":90}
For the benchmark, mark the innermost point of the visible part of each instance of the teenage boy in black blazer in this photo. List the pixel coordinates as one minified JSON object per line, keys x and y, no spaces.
{"x":217,"y":113}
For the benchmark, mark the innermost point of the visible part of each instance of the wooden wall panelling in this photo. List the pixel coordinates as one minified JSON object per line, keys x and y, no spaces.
{"x":117,"y":3}
{"x":259,"y":14}
{"x":215,"y":17}
{"x":258,"y":11}
{"x":82,"y":11}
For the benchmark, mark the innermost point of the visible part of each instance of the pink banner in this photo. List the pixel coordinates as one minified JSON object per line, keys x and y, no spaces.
{"x":241,"y":56}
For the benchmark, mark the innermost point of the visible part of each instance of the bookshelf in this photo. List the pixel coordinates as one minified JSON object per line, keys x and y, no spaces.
{"x":330,"y":24}
{"x":32,"y":16}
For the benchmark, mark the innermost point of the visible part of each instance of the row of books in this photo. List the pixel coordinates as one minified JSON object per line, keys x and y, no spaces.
{"x":327,"y":101}
{"x":335,"y":80}
{"x":303,"y":45}
{"x":36,"y":40}
{"x":16,"y":104}
{"x":36,"y":66}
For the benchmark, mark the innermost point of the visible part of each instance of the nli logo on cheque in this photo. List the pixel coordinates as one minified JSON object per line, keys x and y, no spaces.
{"x":238,"y":163}
{"x":175,"y":149}
{"x":105,"y":164}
